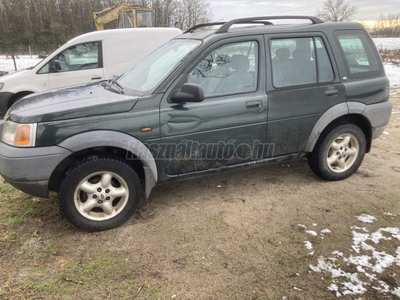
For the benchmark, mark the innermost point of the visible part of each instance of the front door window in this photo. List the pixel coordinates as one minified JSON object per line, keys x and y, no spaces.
{"x":230,"y":69}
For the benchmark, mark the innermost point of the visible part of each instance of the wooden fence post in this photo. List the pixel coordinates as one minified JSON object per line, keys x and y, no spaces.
{"x":15,"y":64}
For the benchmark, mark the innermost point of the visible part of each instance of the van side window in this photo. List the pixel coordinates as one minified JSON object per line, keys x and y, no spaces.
{"x":359,"y":55}
{"x":45,"y":69}
{"x":230,"y":69}
{"x":295,"y":61}
{"x":80,"y":57}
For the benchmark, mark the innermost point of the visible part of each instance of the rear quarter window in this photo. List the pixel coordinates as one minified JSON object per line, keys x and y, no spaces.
{"x":359,"y":53}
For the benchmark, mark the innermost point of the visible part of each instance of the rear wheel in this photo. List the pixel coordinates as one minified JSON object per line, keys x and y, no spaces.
{"x":99,"y":193}
{"x":339,"y":153}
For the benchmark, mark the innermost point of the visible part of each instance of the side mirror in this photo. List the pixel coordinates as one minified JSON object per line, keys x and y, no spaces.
{"x":190,"y":92}
{"x":56,"y":65}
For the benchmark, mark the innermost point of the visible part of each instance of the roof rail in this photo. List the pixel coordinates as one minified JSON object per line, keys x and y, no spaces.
{"x":224,"y":28}
{"x":192,"y":29}
{"x":257,"y":20}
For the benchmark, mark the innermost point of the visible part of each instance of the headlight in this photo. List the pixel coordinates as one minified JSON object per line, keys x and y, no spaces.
{"x":20,"y":135}
{"x":1,"y":85}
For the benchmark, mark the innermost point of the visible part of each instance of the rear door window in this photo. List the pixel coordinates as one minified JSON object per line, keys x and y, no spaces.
{"x":299,"y":61}
{"x":360,"y":55}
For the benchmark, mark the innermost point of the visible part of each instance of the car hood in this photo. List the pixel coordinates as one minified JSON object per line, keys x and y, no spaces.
{"x":69,"y":103}
{"x":14,"y":75}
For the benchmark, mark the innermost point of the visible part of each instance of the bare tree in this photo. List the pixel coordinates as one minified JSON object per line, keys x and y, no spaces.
{"x":337,"y":11}
{"x":184,"y":13}
{"x":387,"y":26}
{"x":45,"y":24}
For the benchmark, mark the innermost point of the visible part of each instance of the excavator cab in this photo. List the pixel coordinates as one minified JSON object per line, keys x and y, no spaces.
{"x":143,"y":18}
{"x":127,"y":16}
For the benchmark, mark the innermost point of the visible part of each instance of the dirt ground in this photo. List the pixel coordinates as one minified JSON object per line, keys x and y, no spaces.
{"x":228,"y":236}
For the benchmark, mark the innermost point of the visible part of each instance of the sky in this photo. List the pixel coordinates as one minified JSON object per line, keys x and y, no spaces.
{"x":232,"y":9}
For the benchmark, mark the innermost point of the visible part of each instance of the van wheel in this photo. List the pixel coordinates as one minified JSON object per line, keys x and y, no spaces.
{"x":339,"y":153}
{"x":99,"y":193}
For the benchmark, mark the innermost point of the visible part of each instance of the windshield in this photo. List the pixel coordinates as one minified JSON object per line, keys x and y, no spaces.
{"x":150,"y":72}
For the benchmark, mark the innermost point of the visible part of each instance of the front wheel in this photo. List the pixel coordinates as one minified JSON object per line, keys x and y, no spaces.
{"x":339,"y":153}
{"x":99,"y":193}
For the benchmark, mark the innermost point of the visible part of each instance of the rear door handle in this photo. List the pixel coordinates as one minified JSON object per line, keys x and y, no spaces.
{"x":253,"y":104}
{"x":96,"y":78}
{"x":332,"y":93}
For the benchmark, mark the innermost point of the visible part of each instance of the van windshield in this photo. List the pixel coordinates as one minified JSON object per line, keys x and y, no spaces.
{"x":151,"y":71}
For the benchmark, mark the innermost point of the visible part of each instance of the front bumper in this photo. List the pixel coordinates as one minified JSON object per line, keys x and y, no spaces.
{"x":29,"y":169}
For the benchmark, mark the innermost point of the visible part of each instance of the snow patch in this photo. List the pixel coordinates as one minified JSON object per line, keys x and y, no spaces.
{"x":22,"y":62}
{"x":366,"y":218}
{"x":387,"y":43}
{"x":326,"y":230}
{"x":313,"y":233}
{"x":359,"y":228}
{"x":387,"y":213}
{"x":368,"y":265}
{"x":308,"y":245}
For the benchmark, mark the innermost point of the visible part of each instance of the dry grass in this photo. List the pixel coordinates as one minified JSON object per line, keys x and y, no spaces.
{"x":390,"y":56}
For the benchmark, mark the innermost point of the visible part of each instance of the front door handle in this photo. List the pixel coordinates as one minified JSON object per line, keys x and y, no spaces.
{"x":253,"y":104}
{"x":332,"y":93}
{"x":96,"y":78}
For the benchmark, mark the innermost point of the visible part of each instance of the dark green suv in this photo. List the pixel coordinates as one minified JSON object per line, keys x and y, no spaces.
{"x":250,"y":92}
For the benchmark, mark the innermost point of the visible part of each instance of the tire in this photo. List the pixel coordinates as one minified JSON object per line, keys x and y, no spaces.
{"x":338,"y":152}
{"x":99,"y":193}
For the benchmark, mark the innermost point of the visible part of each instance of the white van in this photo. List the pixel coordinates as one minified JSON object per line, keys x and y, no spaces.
{"x":87,"y":58}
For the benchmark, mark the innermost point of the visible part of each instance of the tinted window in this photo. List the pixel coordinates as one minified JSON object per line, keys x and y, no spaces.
{"x":229,"y":69}
{"x":292,"y":62}
{"x":325,"y":71}
{"x":295,"y":61}
{"x":359,"y":54}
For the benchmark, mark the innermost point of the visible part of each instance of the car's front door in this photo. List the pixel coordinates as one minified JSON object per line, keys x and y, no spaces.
{"x":229,"y":126}
{"x":82,"y":63}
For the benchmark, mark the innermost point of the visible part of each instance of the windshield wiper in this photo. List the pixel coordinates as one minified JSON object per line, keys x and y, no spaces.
{"x":113,"y":85}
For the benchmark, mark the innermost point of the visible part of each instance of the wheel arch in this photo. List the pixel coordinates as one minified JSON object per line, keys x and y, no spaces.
{"x":343,"y":113}
{"x":118,"y":144}
{"x":16,"y":97}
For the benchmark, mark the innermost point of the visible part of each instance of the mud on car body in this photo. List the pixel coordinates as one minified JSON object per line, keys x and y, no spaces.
{"x":207,"y":101}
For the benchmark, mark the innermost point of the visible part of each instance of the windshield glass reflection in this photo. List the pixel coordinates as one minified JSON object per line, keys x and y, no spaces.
{"x":151,"y":71}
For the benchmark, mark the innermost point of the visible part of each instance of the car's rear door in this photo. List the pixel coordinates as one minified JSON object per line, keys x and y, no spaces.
{"x":303,"y":83}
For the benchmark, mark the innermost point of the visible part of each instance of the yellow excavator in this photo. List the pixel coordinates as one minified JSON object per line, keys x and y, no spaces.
{"x":128,"y":16}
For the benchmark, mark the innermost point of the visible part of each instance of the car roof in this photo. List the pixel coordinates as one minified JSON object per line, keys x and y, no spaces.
{"x":114,"y":33}
{"x":250,"y":26}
